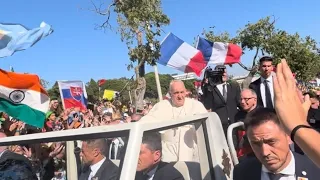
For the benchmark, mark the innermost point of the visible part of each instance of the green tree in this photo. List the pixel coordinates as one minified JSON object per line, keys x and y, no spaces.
{"x":263,"y":38}
{"x":122,"y":84}
{"x":138,"y":21}
{"x":54,"y":91}
{"x":92,"y":91}
{"x":151,"y":90}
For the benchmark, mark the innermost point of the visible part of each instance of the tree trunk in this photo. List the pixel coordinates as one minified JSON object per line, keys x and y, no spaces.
{"x":139,"y":93}
{"x":140,"y":80}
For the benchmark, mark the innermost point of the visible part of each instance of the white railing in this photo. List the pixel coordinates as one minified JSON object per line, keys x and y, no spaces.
{"x":213,"y":149}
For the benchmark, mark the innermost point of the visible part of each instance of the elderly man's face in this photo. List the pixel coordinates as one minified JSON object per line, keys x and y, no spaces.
{"x":178,"y":93}
{"x":248,"y":101}
{"x":270,"y":144}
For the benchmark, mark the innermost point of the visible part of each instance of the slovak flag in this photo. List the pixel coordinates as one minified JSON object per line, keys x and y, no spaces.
{"x":218,"y":52}
{"x":73,"y":94}
{"x":180,"y":55}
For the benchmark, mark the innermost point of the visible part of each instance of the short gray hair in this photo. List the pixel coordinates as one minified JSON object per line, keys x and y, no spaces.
{"x":253,"y":93}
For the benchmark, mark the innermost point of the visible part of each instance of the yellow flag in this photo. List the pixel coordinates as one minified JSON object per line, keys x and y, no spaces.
{"x":109,"y":94}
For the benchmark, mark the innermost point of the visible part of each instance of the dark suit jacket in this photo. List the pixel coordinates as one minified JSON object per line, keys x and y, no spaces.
{"x":165,"y":171}
{"x":255,"y":85}
{"x":107,"y":171}
{"x":251,"y":169}
{"x":215,"y":101}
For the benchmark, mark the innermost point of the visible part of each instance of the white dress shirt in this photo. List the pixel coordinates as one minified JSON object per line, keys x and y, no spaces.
{"x":288,"y":172}
{"x":94,"y":168}
{"x":263,"y":90}
{"x":220,"y":87}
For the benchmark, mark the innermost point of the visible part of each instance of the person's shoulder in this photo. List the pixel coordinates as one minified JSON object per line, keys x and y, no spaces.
{"x":164,"y":102}
{"x":195,"y":103}
{"x":247,"y":164}
{"x":256,"y":82}
{"x":168,"y":171}
{"x":304,"y":161}
{"x":109,"y":169}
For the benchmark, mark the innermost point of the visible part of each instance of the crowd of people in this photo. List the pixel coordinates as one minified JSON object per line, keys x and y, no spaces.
{"x":264,"y":148}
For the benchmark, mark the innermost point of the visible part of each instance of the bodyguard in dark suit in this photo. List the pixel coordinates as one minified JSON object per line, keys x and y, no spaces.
{"x":270,"y":144}
{"x":95,"y":164}
{"x":224,"y":99}
{"x":150,"y":166}
{"x":264,"y":85}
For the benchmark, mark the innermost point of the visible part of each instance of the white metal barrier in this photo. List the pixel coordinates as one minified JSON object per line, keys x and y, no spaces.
{"x":214,"y":154}
{"x":230,"y":141}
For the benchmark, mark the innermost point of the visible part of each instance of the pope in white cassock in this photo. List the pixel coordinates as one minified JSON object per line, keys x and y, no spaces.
{"x":178,"y":144}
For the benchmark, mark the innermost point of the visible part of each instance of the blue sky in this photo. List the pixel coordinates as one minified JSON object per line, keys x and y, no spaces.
{"x":76,"y":51}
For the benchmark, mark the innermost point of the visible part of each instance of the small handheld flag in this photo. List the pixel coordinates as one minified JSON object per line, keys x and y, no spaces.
{"x":73,"y":94}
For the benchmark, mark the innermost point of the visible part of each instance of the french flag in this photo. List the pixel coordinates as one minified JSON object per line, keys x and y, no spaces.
{"x":218,"y":52}
{"x":73,"y":94}
{"x":179,"y":55}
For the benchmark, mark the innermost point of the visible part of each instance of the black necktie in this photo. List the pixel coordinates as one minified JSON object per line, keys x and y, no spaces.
{"x":268,"y":95}
{"x":224,"y":92}
{"x":274,"y":176}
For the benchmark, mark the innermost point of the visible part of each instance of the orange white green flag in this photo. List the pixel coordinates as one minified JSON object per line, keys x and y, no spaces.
{"x":23,"y":97}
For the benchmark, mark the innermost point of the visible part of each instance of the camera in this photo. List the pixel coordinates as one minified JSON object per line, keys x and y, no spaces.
{"x":214,"y":76}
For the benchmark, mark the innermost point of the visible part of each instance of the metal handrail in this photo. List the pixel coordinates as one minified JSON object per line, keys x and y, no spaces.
{"x":233,"y":152}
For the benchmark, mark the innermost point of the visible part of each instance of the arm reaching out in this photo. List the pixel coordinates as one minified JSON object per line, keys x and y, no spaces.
{"x":292,"y":112}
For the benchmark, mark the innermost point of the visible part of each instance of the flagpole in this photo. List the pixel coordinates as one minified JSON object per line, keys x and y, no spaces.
{"x":156,"y":75}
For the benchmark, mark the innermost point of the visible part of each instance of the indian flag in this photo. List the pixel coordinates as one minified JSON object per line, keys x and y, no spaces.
{"x":23,"y":97}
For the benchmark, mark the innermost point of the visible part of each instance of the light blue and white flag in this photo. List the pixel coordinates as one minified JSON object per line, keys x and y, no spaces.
{"x":16,"y":37}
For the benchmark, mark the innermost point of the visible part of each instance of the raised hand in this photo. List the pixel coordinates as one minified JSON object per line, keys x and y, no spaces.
{"x":288,"y":104}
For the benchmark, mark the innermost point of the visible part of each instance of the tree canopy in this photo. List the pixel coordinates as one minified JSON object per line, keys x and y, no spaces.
{"x":264,"y":38}
{"x":139,"y":23}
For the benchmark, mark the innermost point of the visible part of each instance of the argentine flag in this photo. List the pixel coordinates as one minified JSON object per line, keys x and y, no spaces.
{"x":16,"y":37}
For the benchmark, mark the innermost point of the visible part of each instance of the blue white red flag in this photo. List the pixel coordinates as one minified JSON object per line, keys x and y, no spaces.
{"x":180,"y":55}
{"x":73,"y":94}
{"x":218,"y":52}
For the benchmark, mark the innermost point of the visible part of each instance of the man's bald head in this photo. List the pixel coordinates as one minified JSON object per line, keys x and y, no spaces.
{"x":177,"y":92}
{"x":176,"y":83}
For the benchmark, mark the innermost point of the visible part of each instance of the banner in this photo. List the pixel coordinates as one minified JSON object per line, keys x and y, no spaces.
{"x":73,"y":94}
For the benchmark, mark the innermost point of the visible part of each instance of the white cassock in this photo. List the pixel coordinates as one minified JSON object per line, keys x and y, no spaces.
{"x":178,"y":144}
